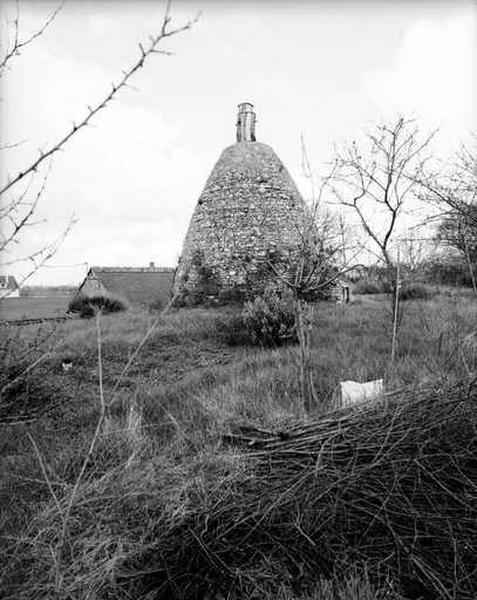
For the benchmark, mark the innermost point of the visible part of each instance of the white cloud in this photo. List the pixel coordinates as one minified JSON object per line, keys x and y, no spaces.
{"x":433,"y":75}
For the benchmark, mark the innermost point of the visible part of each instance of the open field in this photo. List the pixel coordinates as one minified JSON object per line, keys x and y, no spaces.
{"x":14,"y":309}
{"x":163,"y":462}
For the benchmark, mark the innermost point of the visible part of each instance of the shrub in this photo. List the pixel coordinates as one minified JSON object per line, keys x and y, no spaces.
{"x":414,"y":291}
{"x":453,"y":272}
{"x":366,"y":286}
{"x":233,"y":295}
{"x":267,"y":321}
{"x":87,"y":306}
{"x":409,"y":291}
{"x":156,"y":305}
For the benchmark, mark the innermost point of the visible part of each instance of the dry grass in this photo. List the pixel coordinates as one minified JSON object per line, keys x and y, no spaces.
{"x":392,"y":485}
{"x":160,"y":457}
{"x":12,"y":309}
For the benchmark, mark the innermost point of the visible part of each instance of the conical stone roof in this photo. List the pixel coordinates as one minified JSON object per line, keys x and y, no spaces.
{"x":249,"y":214}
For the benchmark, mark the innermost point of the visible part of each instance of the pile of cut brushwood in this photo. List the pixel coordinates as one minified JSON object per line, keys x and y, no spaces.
{"x":391,"y":485}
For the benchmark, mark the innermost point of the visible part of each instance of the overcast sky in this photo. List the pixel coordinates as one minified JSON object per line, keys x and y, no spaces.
{"x":323,"y":69}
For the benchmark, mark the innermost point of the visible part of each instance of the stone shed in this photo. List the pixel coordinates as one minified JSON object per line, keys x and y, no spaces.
{"x":248,"y":216}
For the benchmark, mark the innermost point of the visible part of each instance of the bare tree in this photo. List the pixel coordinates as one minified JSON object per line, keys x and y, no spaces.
{"x":454,"y":193}
{"x":313,"y":268}
{"x":319,"y":267}
{"x":22,"y":191}
{"x":377,"y":180}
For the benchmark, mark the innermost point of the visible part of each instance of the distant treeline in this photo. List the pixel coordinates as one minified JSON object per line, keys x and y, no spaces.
{"x":37,"y":291}
{"x":456,"y":274}
{"x":433,"y":272}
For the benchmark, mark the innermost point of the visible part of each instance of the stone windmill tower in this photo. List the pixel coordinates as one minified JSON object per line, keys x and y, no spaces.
{"x":248,"y":215}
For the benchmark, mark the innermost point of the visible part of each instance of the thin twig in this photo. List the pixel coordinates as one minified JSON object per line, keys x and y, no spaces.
{"x":20,"y":44}
{"x":144,"y":54}
{"x":45,"y":474}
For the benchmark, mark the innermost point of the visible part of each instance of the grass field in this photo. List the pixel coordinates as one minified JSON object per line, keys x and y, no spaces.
{"x":161,"y":453}
{"x":12,"y":309}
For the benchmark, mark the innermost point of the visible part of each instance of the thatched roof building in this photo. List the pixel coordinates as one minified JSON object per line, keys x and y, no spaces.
{"x":145,"y":286}
{"x":249,"y":213}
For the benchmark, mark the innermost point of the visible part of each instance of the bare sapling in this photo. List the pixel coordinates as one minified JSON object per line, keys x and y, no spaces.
{"x":322,"y":257}
{"x":376,"y":180}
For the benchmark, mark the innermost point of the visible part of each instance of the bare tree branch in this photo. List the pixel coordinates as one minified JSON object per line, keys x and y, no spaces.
{"x":311,"y":268}
{"x":144,"y":54}
{"x":38,"y":258}
{"x":376,"y":180}
{"x":454,"y":193}
{"x":17,"y":44}
{"x":18,"y":212}
{"x":25,"y":220}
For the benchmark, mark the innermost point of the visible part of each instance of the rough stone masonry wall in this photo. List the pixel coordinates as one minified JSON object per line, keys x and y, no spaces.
{"x":249,"y":213}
